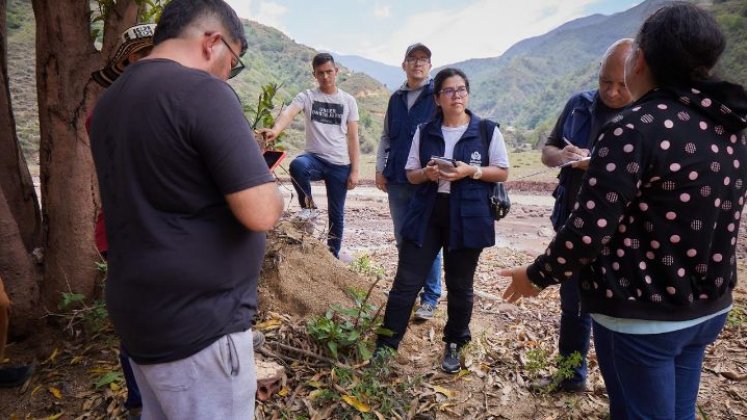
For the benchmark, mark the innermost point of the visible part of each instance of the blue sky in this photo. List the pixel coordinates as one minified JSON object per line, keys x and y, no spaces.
{"x":453,"y":30}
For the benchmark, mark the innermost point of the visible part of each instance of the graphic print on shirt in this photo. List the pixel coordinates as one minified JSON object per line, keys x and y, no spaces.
{"x":326,"y":113}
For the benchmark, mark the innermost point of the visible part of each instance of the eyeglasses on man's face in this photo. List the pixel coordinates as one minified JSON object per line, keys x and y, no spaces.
{"x":417,"y":60}
{"x":461,"y":92}
{"x":236,"y":67}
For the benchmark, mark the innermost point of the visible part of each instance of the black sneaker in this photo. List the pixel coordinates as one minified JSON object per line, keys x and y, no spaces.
{"x":450,"y":362}
{"x":11,"y":377}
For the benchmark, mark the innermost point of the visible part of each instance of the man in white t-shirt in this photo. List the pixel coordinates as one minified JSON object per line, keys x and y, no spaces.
{"x":332,"y":151}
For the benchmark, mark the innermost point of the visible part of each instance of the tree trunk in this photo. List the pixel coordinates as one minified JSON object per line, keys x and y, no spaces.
{"x":65,"y":58}
{"x":122,"y":16}
{"x":18,"y":271}
{"x":19,"y":209}
{"x":15,"y":180}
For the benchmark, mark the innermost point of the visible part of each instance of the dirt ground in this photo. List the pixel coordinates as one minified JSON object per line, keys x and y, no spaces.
{"x":69,"y":382}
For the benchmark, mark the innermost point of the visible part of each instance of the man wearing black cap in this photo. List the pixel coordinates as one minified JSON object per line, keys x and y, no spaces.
{"x":411,"y":105}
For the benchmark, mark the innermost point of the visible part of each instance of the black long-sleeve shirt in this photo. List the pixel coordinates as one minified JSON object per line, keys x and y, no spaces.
{"x":657,"y":216}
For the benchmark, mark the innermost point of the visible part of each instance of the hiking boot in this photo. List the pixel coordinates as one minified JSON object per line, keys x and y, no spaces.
{"x":550,"y":385}
{"x":258,"y":339}
{"x":450,"y":362}
{"x":425,"y":312}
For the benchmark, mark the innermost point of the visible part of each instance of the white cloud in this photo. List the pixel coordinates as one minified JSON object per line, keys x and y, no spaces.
{"x":243,"y":8}
{"x":271,"y":14}
{"x":382,"y":11}
{"x":265,"y":12}
{"x":484,"y":28}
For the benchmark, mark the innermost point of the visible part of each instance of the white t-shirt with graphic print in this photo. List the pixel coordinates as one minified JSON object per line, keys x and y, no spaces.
{"x":327,"y":118}
{"x":497,"y":154}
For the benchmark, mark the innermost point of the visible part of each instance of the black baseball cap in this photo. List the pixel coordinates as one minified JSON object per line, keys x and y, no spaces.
{"x":418,"y":47}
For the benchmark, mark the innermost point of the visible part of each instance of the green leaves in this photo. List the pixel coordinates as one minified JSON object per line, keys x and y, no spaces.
{"x":150,"y":10}
{"x":348,"y":332}
{"x":70,"y":299}
{"x":109,"y":378}
{"x":260,"y":116}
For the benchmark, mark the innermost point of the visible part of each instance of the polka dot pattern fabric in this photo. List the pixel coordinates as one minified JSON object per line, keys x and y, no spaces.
{"x":657,"y":217}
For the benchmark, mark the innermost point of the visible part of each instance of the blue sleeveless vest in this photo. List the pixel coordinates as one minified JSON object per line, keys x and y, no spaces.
{"x":471,"y":223}
{"x":577,"y":129}
{"x":401,"y":125}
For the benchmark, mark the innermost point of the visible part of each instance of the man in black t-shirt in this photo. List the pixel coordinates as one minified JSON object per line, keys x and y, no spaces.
{"x":571,"y":140}
{"x":187,"y":197}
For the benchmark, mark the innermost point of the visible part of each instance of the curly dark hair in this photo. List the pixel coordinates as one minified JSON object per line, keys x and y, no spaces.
{"x":681,"y":43}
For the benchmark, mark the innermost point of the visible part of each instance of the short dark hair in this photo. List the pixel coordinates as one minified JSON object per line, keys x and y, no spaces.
{"x":438,"y":83}
{"x":681,"y":43}
{"x":444,"y":74}
{"x":180,"y":14}
{"x":320,"y":59}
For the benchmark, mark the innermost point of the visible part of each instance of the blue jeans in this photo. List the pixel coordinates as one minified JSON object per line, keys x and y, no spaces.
{"x":575,"y":328}
{"x":399,"y":199}
{"x":306,"y":168}
{"x":654,"y":376}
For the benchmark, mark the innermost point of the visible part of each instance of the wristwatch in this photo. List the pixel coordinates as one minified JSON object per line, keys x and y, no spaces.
{"x":478,"y":172}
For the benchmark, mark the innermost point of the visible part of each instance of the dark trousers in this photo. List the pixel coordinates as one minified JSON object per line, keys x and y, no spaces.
{"x":654,"y":376}
{"x":412,"y":270}
{"x":575,"y":327}
{"x":399,"y":201}
{"x":306,"y":168}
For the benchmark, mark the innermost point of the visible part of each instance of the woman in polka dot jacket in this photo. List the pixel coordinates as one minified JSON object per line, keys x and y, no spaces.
{"x":656,"y":220}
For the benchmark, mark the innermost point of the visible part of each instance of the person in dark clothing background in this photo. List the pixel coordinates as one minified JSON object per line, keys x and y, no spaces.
{"x":408,"y":107}
{"x":656,"y":220}
{"x":571,"y":141}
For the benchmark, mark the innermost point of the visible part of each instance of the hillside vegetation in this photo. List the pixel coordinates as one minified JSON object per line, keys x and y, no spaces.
{"x":524,"y":89}
{"x":527,"y":86}
{"x":272,"y":57}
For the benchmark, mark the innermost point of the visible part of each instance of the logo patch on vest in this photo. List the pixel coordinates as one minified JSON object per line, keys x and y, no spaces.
{"x":475,"y":158}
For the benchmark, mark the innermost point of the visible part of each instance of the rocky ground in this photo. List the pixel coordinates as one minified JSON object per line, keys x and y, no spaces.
{"x":76,"y":376}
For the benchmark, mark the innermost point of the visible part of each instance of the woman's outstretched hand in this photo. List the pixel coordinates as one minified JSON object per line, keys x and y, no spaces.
{"x":520,"y":285}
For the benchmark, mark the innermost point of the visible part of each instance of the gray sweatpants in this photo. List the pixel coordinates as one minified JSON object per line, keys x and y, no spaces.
{"x":219,"y":382}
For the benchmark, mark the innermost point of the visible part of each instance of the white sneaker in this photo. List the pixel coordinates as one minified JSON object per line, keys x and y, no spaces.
{"x":425,"y":312}
{"x":307,"y":214}
{"x":305,"y":220}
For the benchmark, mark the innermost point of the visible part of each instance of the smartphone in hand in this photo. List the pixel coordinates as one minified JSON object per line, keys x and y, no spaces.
{"x":273,"y":158}
{"x":444,"y":164}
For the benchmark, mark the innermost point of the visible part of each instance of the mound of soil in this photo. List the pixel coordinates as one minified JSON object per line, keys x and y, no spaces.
{"x":300,"y":277}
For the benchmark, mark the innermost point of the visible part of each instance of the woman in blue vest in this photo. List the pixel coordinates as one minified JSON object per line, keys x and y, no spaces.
{"x":450,"y":210}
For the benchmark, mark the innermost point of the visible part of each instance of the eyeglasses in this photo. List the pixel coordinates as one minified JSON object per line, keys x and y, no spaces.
{"x":236,"y":68}
{"x":461,"y":92}
{"x":418,"y":60}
